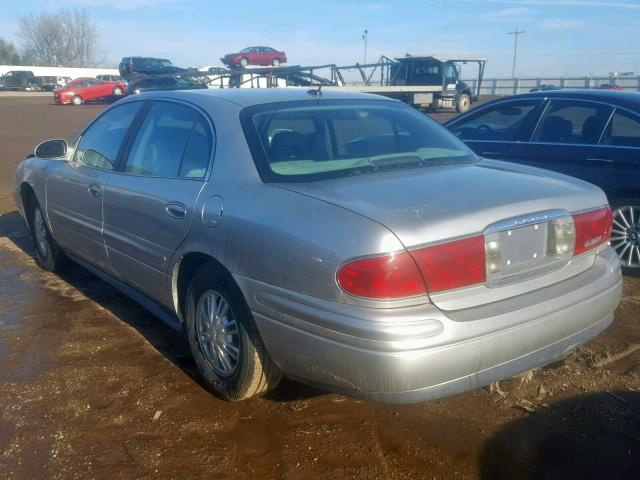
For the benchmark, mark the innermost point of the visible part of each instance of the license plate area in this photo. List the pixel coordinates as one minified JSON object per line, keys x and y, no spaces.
{"x":521,"y":248}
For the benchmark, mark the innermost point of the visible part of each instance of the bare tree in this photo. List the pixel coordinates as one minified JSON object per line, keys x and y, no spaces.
{"x":8,"y":53}
{"x":66,"y":37}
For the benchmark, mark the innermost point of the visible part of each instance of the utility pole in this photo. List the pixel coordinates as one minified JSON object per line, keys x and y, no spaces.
{"x":365,"y":36}
{"x":515,"y":34}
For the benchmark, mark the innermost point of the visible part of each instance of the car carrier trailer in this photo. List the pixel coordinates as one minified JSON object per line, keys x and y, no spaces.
{"x":427,"y":82}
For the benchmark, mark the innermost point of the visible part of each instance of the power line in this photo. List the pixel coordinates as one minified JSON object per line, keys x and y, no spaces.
{"x":515,"y":34}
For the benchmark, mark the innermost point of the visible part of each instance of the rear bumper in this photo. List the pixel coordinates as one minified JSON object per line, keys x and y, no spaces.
{"x":412,"y":354}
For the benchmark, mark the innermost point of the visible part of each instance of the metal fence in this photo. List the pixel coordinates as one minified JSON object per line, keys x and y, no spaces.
{"x":512,"y":86}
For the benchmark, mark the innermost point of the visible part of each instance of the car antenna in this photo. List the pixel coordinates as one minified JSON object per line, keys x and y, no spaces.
{"x":315,"y":93}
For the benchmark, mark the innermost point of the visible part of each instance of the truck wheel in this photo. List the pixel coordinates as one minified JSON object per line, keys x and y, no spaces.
{"x":224,"y":341}
{"x":48,"y":255}
{"x":244,"y":61}
{"x":76,"y":100}
{"x":464,"y":102}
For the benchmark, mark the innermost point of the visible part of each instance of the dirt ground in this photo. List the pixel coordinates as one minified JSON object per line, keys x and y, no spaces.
{"x":94,"y":387}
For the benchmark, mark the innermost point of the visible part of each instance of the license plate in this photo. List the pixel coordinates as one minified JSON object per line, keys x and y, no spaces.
{"x":523,"y":245}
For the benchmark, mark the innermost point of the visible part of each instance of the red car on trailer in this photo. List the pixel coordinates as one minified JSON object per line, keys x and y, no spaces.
{"x":88,"y":89}
{"x":255,"y":56}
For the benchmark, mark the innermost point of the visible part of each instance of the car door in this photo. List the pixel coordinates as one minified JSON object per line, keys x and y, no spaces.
{"x":566,"y":138}
{"x":74,"y":191}
{"x":493,"y":131}
{"x":619,"y":152}
{"x":149,"y":205}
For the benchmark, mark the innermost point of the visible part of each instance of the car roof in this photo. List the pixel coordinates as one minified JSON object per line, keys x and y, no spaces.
{"x":246,"y":97}
{"x":608,"y":96}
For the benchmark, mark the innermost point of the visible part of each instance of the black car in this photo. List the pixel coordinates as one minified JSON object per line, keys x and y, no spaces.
{"x":18,"y":80}
{"x":155,"y":83}
{"x":132,"y":66}
{"x":593,"y":135}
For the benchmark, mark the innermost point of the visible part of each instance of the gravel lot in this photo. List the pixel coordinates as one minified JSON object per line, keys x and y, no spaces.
{"x":92,"y":387}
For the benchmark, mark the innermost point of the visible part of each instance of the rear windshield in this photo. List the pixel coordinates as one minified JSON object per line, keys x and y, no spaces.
{"x":307,"y":141}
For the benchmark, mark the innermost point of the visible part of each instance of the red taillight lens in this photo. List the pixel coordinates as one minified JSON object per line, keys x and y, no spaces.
{"x":452,"y":265}
{"x":442,"y":267}
{"x":592,"y":229}
{"x":386,"y":277}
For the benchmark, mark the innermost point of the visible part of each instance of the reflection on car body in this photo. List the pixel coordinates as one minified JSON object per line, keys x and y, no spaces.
{"x":345,"y":240}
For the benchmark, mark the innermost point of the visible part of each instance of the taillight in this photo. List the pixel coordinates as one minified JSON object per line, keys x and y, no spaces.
{"x":406,"y":274}
{"x":592,"y":229}
{"x":452,"y":265}
{"x":384,"y":277}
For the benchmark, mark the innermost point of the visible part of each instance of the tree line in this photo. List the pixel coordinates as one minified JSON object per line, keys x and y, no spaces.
{"x":66,"y":38}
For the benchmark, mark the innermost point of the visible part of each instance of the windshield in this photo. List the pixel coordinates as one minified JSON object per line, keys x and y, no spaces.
{"x":304,"y":141}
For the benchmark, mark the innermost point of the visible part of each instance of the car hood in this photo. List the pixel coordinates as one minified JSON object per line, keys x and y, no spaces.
{"x":436,"y":203}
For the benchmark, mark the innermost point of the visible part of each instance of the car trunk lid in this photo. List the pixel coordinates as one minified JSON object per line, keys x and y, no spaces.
{"x":509,"y":203}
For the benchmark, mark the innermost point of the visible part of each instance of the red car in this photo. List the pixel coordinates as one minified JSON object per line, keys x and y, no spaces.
{"x":255,"y":56}
{"x":87,"y":89}
{"x":611,"y":86}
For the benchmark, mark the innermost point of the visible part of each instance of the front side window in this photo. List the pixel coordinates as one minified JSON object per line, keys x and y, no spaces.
{"x":501,"y":122}
{"x":173,"y":141}
{"x":305,"y":141}
{"x":572,"y":122}
{"x":101,"y":142}
{"x":623,"y":130}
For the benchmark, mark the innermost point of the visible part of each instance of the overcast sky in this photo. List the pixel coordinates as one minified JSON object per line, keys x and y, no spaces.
{"x":562,"y":36}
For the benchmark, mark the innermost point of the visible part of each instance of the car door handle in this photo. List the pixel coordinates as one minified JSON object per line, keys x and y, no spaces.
{"x":94,"y":191}
{"x":176,"y":210}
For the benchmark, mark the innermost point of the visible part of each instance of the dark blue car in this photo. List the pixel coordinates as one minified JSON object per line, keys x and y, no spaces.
{"x":589,"y":134}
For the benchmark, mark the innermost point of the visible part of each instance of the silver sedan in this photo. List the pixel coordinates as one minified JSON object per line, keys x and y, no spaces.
{"x":344,"y":240}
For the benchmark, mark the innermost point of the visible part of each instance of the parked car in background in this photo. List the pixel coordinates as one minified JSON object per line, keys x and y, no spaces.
{"x":18,"y":80}
{"x":593,"y":135}
{"x":255,"y":56}
{"x":159,"y":83}
{"x":46,"y":83}
{"x":346,"y":240}
{"x":131,"y":66}
{"x":110,"y":78}
{"x":610,"y":86}
{"x":87,"y":89}
{"x":544,"y":87}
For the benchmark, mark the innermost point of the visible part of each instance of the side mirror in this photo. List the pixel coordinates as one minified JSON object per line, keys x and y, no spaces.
{"x":52,"y":149}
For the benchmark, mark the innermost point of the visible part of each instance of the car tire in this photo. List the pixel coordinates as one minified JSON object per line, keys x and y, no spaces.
{"x":464,"y":103}
{"x":76,"y":100}
{"x":276,"y":62}
{"x":117,"y":91}
{"x":625,"y":235}
{"x":48,"y":254}
{"x":244,"y":61}
{"x":213,"y":337}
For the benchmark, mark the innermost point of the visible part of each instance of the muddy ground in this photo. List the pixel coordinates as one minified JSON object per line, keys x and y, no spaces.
{"x":94,"y":387}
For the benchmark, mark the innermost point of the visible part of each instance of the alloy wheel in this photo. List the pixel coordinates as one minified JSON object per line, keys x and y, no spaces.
{"x":625,"y":235}
{"x":217,"y":332}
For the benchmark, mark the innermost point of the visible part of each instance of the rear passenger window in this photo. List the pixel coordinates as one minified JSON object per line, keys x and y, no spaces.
{"x":576,"y":122}
{"x":101,"y":142}
{"x":502,"y":122}
{"x":196,"y":157}
{"x":173,"y":141}
{"x":623,"y":130}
